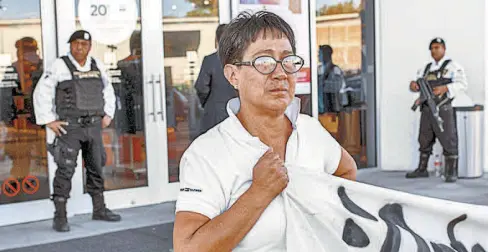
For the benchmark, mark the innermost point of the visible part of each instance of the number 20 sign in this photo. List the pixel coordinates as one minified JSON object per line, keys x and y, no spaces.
{"x":109,"y":21}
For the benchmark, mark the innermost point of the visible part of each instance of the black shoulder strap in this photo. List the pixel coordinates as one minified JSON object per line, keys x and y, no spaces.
{"x":70,"y":65}
{"x":444,"y":65}
{"x":427,"y":68}
{"x":94,"y":65}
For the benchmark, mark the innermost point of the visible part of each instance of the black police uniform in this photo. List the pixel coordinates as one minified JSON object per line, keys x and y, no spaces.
{"x":429,"y":129}
{"x":80,"y":102}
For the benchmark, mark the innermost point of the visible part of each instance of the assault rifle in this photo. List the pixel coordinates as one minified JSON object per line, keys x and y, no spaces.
{"x":427,"y":96}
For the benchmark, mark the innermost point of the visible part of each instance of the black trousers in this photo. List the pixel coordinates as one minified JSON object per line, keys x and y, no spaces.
{"x":86,"y":137}
{"x":429,"y":131}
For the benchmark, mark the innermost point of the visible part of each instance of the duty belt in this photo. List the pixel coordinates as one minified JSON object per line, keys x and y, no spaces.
{"x":85,"y":120}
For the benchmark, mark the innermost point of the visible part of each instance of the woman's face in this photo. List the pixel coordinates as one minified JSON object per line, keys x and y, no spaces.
{"x":270,"y":93}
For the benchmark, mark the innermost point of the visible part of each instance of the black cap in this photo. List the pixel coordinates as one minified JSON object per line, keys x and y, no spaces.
{"x":438,"y":41}
{"x":80,"y":34}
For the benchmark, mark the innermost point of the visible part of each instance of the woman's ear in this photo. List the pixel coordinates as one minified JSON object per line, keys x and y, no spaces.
{"x":230,"y":72}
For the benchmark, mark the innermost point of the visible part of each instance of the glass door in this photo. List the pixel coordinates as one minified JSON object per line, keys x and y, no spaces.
{"x":189,"y":28}
{"x":127,"y":38}
{"x":346,"y":100}
{"x":26,"y":46}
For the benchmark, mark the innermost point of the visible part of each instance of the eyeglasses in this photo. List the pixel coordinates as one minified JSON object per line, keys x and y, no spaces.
{"x":267,"y":64}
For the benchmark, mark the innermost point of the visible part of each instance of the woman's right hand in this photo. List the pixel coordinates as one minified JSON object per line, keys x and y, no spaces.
{"x":196,"y":232}
{"x":270,"y":176}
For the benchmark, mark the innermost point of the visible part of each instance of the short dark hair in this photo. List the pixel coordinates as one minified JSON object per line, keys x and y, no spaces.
{"x":245,"y":28}
{"x":135,"y":41}
{"x":326,"y":50}
{"x":220,"y":30}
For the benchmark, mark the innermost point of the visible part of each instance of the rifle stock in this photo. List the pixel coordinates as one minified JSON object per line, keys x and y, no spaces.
{"x":439,"y":82}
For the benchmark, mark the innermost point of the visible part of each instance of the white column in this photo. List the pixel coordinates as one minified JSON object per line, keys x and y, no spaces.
{"x":65,"y":23}
{"x":378,"y":79}
{"x":313,"y":61}
{"x":486,"y":85}
{"x":224,"y":11}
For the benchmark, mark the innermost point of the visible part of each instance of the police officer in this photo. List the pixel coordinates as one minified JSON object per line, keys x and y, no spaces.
{"x":75,"y":99}
{"x":449,"y":82}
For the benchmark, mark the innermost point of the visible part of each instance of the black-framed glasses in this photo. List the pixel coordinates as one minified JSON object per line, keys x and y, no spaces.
{"x":267,"y":64}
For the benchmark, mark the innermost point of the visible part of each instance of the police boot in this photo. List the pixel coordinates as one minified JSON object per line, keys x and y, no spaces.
{"x":451,"y":168}
{"x":60,"y":221}
{"x":100,"y":211}
{"x":421,"y":171}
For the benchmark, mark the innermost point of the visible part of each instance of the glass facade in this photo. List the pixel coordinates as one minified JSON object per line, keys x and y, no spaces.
{"x":124,"y":139}
{"x":189,"y":28}
{"x":345,"y":38}
{"x":346,"y":86}
{"x":23,"y":155}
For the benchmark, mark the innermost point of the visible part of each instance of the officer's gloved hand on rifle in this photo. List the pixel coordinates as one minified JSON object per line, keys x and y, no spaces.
{"x":414,"y":86}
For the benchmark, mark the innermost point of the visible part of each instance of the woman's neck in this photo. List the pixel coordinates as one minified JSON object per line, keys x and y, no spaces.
{"x":265,"y":126}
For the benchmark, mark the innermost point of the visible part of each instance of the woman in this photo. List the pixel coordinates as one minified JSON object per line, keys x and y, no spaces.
{"x":232,"y":176}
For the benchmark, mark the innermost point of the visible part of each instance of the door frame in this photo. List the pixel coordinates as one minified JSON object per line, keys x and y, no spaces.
{"x":158,"y":189}
{"x":37,"y":209}
{"x":62,"y":14}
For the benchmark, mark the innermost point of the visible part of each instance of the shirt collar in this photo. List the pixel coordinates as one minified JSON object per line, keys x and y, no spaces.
{"x":77,"y":65}
{"x":434,"y":63}
{"x":236,"y":128}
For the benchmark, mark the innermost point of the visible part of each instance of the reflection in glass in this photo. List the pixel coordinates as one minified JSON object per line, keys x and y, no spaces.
{"x":190,"y":8}
{"x":124,"y":140}
{"x":346,"y":93}
{"x":22,"y":143}
{"x":184,"y":50}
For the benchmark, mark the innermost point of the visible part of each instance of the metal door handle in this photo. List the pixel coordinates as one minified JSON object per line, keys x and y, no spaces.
{"x":154,"y":96}
{"x":151,"y":82}
{"x":161,"y":86}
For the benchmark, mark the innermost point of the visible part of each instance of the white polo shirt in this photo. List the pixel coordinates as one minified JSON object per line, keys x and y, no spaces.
{"x":217,"y":169}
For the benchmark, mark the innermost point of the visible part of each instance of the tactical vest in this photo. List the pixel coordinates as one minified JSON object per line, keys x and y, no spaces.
{"x":82,"y":95}
{"x":435,"y":78}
